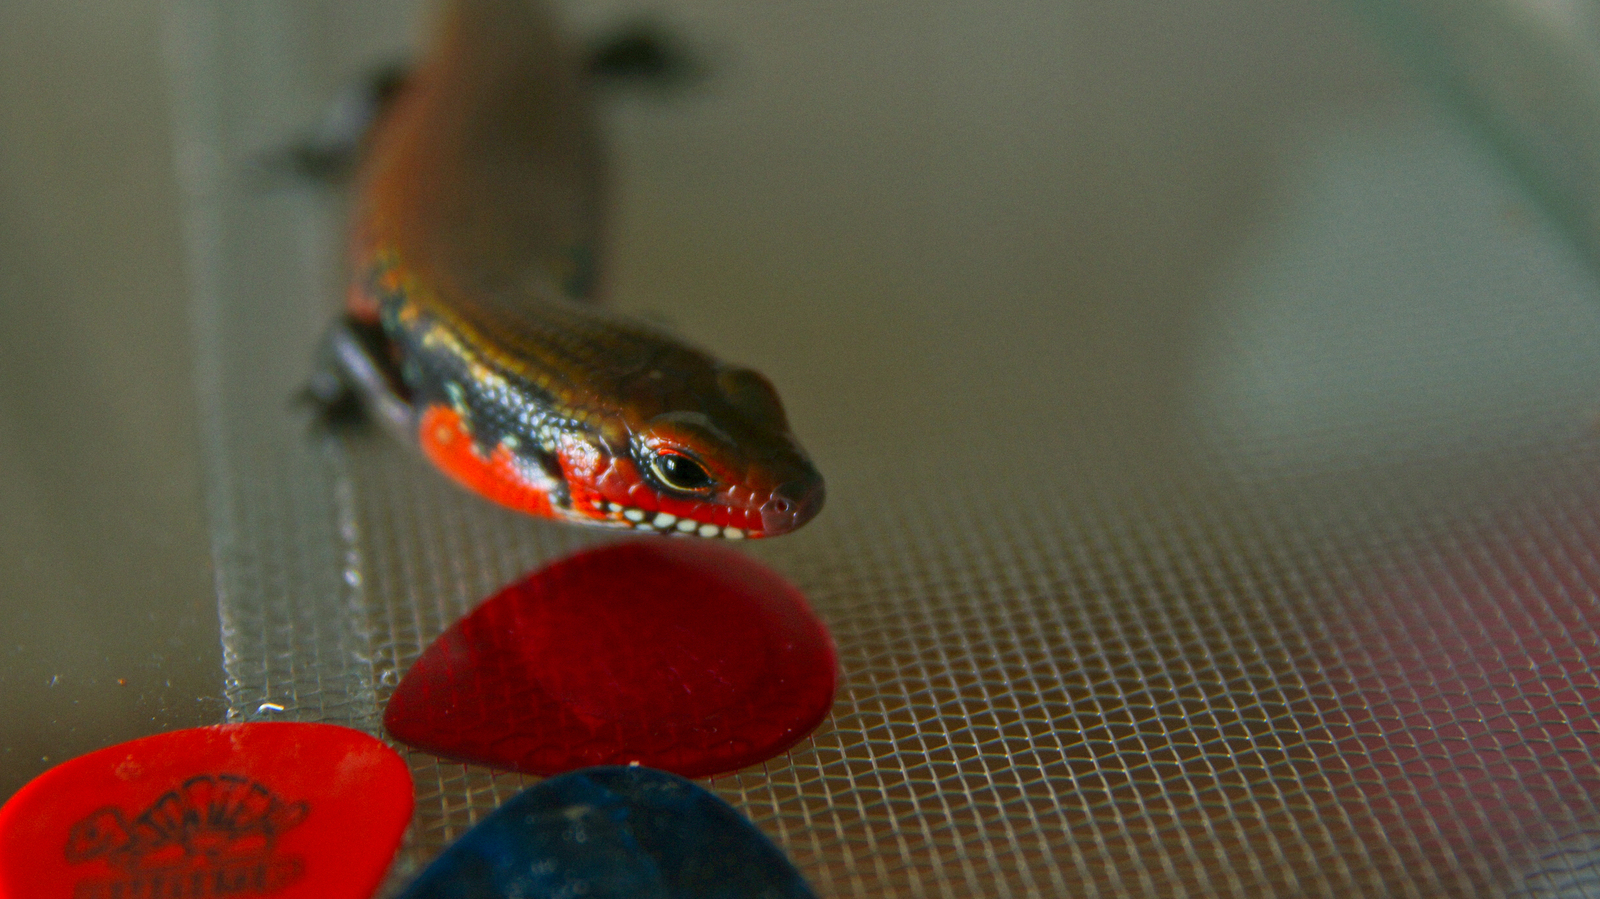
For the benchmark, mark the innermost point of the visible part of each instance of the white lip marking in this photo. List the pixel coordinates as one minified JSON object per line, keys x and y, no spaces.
{"x":633,"y":515}
{"x":686,"y":525}
{"x":665,"y":520}
{"x":613,"y":507}
{"x":733,"y":533}
{"x":709,"y":530}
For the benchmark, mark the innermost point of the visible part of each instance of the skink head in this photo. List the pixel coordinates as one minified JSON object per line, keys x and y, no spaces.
{"x":704,"y":450}
{"x":604,"y":421}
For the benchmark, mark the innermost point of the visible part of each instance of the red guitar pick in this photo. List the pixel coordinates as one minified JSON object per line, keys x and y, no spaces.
{"x":294,"y":811}
{"x":688,"y":657}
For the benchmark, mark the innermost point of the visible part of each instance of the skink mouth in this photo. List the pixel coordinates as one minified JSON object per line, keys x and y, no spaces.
{"x":792,"y":505}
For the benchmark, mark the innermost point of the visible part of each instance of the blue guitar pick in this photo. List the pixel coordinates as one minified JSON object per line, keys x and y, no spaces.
{"x":610,"y":833}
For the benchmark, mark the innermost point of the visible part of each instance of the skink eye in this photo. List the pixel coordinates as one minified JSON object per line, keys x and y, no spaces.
{"x":680,"y":472}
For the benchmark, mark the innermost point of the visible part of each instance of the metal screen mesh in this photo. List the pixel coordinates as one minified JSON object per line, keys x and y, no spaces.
{"x":1265,"y":666}
{"x":1198,"y":691}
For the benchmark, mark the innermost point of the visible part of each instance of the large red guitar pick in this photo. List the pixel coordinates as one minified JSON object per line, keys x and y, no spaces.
{"x":683,"y":656}
{"x":294,"y":811}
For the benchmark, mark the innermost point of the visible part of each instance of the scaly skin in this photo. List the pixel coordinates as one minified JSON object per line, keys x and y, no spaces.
{"x":474,"y":233}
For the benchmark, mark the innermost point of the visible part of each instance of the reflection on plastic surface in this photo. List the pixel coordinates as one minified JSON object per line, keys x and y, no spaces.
{"x":1472,"y":707}
{"x":1528,"y":73}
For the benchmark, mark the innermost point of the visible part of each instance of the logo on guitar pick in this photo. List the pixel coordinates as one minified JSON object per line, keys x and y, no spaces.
{"x":216,"y":835}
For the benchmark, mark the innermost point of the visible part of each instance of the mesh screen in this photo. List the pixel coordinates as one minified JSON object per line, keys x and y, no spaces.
{"x":1262,"y":664}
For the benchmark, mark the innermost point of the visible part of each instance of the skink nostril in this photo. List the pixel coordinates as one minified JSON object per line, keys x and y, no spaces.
{"x":792,"y":505}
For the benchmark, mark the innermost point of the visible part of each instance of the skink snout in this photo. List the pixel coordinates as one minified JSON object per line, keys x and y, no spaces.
{"x":792,"y":505}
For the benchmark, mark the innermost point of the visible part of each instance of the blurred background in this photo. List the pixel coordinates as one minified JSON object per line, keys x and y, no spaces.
{"x":1005,"y":254}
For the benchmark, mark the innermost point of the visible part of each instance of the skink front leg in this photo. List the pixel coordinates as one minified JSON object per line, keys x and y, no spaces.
{"x":355,"y":366}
